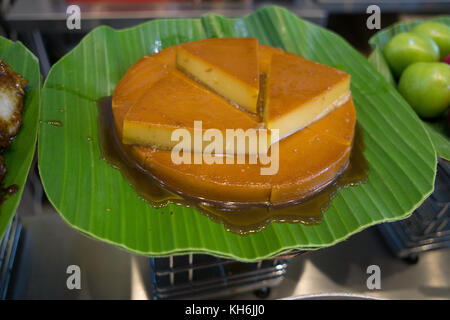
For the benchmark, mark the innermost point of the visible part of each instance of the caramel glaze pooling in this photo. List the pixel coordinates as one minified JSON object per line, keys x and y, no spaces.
{"x":321,"y":169}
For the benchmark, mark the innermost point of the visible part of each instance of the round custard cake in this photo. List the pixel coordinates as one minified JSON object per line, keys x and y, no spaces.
{"x":238,"y":84}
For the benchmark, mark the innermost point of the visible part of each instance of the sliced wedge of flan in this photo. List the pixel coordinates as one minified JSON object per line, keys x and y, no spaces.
{"x":230,"y":67}
{"x":299,"y":92}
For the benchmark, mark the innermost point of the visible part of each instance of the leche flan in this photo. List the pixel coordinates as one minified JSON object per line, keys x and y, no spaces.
{"x":299,"y":92}
{"x":314,"y":150}
{"x":230,"y":67}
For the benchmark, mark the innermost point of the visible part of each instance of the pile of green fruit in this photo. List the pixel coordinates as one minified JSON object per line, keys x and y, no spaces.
{"x":414,"y":57}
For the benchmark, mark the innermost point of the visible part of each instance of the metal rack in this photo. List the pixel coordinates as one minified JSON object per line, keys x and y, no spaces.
{"x":8,"y":249}
{"x":204,"y":276}
{"x":429,"y":226}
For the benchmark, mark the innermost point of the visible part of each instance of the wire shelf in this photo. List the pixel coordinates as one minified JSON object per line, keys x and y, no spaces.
{"x":428,"y":228}
{"x":204,"y":276}
{"x":8,"y":249}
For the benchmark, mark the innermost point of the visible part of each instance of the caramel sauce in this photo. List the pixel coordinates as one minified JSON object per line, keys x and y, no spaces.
{"x":241,"y":218}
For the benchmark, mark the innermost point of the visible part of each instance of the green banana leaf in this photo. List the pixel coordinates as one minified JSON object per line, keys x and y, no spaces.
{"x":19,"y":155}
{"x":438,"y":129}
{"x":95,"y":199}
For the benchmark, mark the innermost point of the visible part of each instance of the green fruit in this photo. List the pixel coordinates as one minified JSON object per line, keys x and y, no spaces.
{"x":406,"y":48}
{"x":426,"y":87}
{"x":439,"y":32}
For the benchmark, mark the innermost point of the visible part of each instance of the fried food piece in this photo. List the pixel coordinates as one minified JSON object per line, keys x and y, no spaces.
{"x":12,"y":92}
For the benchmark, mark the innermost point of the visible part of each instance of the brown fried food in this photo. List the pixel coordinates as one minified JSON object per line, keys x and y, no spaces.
{"x":12,"y":92}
